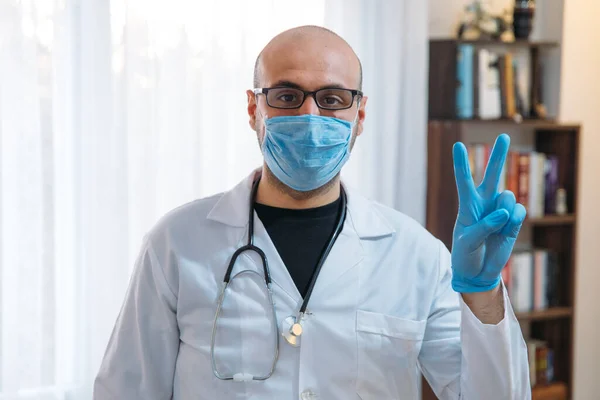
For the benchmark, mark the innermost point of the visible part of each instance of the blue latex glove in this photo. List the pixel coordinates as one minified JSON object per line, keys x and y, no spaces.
{"x":487,"y":225}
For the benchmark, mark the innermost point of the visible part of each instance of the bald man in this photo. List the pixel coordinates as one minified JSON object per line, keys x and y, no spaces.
{"x":293,"y":286}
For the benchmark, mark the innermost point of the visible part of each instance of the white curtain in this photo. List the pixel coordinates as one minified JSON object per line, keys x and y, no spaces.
{"x":391,"y":39}
{"x":114,"y":112}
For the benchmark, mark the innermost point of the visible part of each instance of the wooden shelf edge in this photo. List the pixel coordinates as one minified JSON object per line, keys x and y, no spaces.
{"x":552,"y":220}
{"x":516,"y":43}
{"x":551,"y":391}
{"x":550,"y":313}
{"x":541,"y":124}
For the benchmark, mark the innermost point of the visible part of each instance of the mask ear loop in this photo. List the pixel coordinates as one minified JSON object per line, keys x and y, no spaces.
{"x":264,"y":117}
{"x":355,"y":120}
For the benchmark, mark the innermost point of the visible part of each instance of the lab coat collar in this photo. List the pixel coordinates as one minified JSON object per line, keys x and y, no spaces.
{"x":233,"y":207}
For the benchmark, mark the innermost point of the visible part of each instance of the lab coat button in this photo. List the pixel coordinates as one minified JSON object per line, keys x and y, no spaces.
{"x":308,"y":395}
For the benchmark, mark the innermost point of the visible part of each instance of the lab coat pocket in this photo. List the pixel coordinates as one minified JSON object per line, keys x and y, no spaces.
{"x":387,"y":353}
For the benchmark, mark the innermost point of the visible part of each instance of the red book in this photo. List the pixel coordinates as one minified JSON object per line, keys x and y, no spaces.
{"x":541,"y":361}
{"x":523,"y":190}
{"x":512,"y":175}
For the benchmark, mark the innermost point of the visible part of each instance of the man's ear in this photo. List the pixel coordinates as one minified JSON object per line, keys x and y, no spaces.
{"x":251,"y":109}
{"x":362,"y":113}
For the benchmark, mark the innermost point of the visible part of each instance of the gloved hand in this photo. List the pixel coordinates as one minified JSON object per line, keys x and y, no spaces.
{"x":487,"y":225}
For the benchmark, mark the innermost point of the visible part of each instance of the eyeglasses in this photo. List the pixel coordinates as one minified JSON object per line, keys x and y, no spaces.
{"x":326,"y":99}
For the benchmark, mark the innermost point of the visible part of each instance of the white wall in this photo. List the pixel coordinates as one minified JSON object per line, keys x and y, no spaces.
{"x":580,"y":101}
{"x":572,"y":82}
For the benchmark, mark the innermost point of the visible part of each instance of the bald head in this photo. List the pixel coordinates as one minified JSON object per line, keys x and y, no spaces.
{"x":310,"y":49}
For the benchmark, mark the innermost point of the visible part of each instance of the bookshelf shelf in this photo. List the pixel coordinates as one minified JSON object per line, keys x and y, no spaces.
{"x":552,"y":391}
{"x":551,"y":313}
{"x":551,"y":220}
{"x":529,"y":123}
{"x":494,"y":43}
{"x":554,"y":148}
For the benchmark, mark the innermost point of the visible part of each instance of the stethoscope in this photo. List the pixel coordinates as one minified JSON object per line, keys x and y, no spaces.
{"x":292,"y":325}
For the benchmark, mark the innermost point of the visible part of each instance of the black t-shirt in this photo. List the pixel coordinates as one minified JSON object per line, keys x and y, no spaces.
{"x":300,"y":236}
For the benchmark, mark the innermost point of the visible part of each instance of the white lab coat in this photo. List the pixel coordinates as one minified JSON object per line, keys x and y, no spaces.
{"x":381,"y":309}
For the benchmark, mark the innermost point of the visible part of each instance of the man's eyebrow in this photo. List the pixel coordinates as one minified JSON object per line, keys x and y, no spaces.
{"x":290,"y":84}
{"x":285,"y":83}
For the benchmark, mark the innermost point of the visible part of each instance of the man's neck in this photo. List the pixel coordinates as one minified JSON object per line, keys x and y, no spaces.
{"x":269,"y":194}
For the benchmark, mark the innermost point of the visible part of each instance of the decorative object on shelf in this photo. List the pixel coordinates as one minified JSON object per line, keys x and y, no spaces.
{"x":523,"y":18}
{"x":540,"y":111}
{"x":561,"y":201}
{"x":479,"y":24}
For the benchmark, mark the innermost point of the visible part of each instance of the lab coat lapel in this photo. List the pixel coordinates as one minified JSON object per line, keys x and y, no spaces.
{"x":346,"y":253}
{"x":233,"y":206}
{"x":232,"y":209}
{"x":362,"y":222}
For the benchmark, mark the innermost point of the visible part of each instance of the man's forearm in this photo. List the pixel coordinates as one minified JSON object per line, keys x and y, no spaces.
{"x":488,"y":306}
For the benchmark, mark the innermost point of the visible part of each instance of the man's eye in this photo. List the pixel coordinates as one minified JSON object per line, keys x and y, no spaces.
{"x":332,"y":100}
{"x":287,"y":97}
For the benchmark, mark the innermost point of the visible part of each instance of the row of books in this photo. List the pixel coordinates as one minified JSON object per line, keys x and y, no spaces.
{"x":530,"y":278}
{"x":532,"y":176}
{"x":541,"y":362}
{"x":492,"y":85}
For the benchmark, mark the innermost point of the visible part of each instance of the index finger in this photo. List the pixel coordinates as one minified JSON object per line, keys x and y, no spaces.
{"x":462,"y":172}
{"x":493,"y":171}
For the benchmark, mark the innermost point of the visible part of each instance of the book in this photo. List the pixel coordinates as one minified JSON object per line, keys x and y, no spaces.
{"x":512,"y":174}
{"x":541,"y":362}
{"x":475,"y":80}
{"x":489,"y":85}
{"x":540,"y":280}
{"x":531,"y":279}
{"x":511,"y":108}
{"x":552,"y":276}
{"x":464,"y":77}
{"x":503,"y":86}
{"x":522,"y":77}
{"x":531,"y":175}
{"x":531,"y":358}
{"x":522,"y":194}
{"x":521,"y":281}
{"x":492,"y":84}
{"x":550,"y":184}
{"x":550,"y":365}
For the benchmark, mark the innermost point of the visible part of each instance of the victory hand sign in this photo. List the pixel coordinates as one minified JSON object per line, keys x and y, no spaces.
{"x":487,"y":225}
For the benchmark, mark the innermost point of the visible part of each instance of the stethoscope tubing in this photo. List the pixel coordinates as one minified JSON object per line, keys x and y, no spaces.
{"x":267,"y":277}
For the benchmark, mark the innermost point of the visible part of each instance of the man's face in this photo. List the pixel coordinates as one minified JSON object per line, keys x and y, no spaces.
{"x":309,"y":62}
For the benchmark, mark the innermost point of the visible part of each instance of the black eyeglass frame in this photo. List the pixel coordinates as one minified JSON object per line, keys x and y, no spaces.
{"x":355,"y":93}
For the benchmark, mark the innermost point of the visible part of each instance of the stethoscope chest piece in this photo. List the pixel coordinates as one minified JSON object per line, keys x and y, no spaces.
{"x":291,"y":330}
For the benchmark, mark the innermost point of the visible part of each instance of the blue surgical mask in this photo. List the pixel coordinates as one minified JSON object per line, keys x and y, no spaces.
{"x":306,"y":151}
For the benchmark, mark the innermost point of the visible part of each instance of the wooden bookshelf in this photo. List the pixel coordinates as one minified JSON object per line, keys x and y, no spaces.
{"x":554,"y":232}
{"x":548,"y":220}
{"x":550,"y":313}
